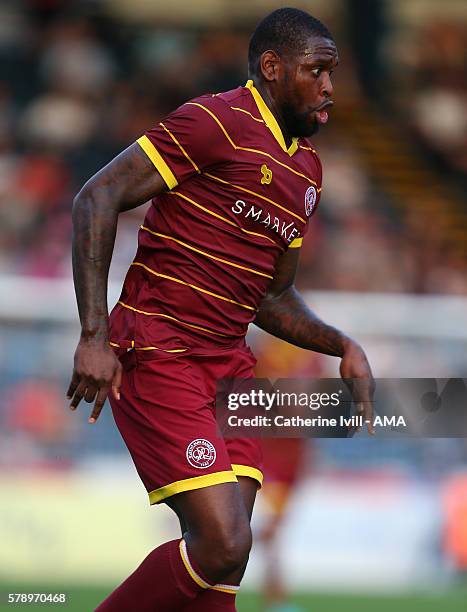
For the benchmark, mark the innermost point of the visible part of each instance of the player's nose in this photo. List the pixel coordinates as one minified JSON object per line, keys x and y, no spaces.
{"x":327,"y":88}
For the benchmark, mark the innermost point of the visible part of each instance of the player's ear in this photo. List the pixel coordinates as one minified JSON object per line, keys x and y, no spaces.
{"x":270,"y":65}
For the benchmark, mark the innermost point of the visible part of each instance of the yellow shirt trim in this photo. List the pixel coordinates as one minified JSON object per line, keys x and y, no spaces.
{"x":158,"y":161}
{"x":195,"y":287}
{"x":270,"y":120}
{"x":189,"y":484}
{"x":242,"y":110}
{"x":307,"y":148}
{"x":210,"y":212}
{"x":181,"y":148}
{"x":248,"y":149}
{"x":258,"y":195}
{"x":296,"y":243}
{"x":148,"y":348}
{"x":216,"y":120}
{"x":166,"y":316}
{"x":192,"y":248}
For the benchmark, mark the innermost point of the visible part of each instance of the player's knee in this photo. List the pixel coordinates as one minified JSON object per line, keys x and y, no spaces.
{"x":230,"y":550}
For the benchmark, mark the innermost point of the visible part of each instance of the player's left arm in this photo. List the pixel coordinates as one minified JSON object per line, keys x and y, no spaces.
{"x":284,"y":314}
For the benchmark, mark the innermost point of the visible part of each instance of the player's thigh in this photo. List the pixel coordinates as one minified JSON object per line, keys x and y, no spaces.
{"x":248,"y":489}
{"x":216,"y":511}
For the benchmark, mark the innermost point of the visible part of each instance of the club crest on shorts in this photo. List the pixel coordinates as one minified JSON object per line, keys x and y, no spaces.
{"x":200,"y":453}
{"x":310,"y":200}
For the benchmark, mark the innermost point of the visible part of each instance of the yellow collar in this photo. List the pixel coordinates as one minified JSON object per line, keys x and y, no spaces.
{"x":270,"y":120}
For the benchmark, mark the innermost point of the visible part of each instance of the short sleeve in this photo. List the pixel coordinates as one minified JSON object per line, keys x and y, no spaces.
{"x":199,"y":134}
{"x":312,"y":198}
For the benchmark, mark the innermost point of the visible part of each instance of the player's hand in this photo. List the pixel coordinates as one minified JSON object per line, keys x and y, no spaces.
{"x":356,"y":373}
{"x":96,"y":371}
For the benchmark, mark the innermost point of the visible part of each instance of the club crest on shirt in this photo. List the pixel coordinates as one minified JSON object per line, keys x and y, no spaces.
{"x":310,"y":200}
{"x":200,"y":453}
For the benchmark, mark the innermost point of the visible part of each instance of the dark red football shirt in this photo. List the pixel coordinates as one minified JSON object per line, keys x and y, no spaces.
{"x":237,"y":199}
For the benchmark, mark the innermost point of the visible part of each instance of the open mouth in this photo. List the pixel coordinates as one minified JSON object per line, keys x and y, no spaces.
{"x":321,"y":112}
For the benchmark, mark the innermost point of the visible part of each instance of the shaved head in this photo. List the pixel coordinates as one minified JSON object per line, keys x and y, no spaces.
{"x":285,"y":31}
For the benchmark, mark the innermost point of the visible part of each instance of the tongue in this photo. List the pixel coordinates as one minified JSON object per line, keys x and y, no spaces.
{"x":322,"y":116}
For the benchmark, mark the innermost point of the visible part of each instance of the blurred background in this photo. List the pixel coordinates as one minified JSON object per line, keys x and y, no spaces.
{"x":348,"y":525}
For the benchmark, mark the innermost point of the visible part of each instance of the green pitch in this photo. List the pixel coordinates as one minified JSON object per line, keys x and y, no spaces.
{"x":86,"y":599}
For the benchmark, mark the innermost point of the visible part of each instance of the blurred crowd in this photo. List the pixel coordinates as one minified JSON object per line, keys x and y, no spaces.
{"x":436,"y":67}
{"x":74,"y":91}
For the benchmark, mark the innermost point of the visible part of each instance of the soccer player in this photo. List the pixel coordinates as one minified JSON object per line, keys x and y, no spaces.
{"x":234,"y":182}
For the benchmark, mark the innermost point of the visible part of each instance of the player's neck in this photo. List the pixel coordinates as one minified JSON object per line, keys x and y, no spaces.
{"x":273,"y":107}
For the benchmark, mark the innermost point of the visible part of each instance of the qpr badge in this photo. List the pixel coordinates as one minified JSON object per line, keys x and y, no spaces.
{"x":200,"y":453}
{"x":310,"y":200}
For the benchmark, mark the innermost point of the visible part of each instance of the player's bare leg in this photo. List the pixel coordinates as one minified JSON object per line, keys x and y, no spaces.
{"x":215,"y":598}
{"x":248,"y":488}
{"x":216,"y":545}
{"x":217,"y":528}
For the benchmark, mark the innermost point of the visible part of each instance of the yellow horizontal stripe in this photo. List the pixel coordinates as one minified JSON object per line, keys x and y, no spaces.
{"x":158,"y":161}
{"x":189,"y":568}
{"x":307,"y":148}
{"x":296,"y":243}
{"x":189,"y":484}
{"x":258,"y":195}
{"x":246,"y":470}
{"x":166,"y":316}
{"x":192,"y":248}
{"x":156,"y":348}
{"x":210,"y":212}
{"x":238,"y":148}
{"x":307,"y":178}
{"x":149,"y":348}
{"x":195,"y":287}
{"x":181,"y":148}
{"x":242,"y":110}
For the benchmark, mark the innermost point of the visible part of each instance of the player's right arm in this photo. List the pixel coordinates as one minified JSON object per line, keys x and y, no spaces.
{"x":128,"y":181}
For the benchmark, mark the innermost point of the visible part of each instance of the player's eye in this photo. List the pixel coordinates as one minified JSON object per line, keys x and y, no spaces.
{"x":319,"y":71}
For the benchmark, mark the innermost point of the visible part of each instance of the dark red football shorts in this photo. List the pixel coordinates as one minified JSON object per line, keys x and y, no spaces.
{"x":166,"y":416}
